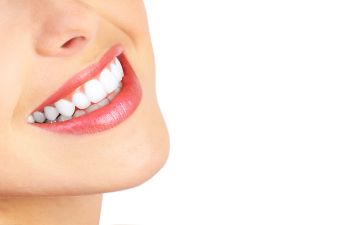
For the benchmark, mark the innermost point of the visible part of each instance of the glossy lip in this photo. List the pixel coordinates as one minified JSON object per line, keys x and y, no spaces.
{"x":119,"y":109}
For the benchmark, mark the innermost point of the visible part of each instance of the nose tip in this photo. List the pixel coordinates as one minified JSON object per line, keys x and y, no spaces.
{"x":66,"y":30}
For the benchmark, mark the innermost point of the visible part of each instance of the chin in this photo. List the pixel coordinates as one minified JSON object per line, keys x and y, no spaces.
{"x":122,"y":170}
{"x":141,"y":165}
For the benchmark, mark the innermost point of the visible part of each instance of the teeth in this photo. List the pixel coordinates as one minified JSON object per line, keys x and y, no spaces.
{"x":97,"y":94}
{"x":80,"y":100}
{"x":94,"y":90}
{"x":111,"y":96}
{"x":117,"y":69}
{"x":102,"y":103}
{"x":62,"y":118}
{"x":98,"y":105}
{"x":50,"y":112}
{"x":79,"y":113}
{"x":64,"y":107}
{"x":109,"y":81}
{"x":39,"y":117}
{"x":30,"y":119}
{"x":92,"y":108}
{"x":120,"y":85}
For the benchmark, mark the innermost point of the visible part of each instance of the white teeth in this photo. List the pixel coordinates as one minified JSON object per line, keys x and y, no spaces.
{"x":120,"y":85}
{"x":94,"y":90}
{"x":108,"y":80}
{"x":64,"y":107}
{"x":39,"y":117}
{"x":50,"y":112}
{"x":80,"y":100}
{"x":98,"y":105}
{"x":62,"y":118}
{"x":30,"y":119}
{"x":117,"y":69}
{"x":103,"y":102}
{"x":111,"y":96}
{"x":92,"y":108}
{"x":79,"y":113}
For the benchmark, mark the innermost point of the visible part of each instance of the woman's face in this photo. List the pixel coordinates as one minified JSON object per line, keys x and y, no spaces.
{"x":45,"y":43}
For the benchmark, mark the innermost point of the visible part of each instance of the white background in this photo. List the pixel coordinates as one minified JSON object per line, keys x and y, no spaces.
{"x":256,"y":98}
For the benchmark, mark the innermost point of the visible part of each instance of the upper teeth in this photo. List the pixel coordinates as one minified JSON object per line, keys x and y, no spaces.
{"x":80,"y":100}
{"x":50,"y":112}
{"x":65,"y":107}
{"x":99,"y":90}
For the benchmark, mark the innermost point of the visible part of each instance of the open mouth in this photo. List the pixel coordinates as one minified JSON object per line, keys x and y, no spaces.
{"x":96,"y":99}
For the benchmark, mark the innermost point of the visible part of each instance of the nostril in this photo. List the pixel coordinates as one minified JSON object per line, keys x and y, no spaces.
{"x":73,"y":42}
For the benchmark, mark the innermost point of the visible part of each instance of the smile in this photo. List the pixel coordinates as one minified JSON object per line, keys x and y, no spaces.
{"x":96,"y":99}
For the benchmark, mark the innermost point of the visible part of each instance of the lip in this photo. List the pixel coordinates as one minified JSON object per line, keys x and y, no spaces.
{"x":107,"y":117}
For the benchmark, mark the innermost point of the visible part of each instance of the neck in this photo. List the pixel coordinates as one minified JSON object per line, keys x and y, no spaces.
{"x":69,"y":210}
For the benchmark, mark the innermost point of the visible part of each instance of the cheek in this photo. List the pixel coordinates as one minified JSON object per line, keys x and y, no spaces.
{"x":10,"y":86}
{"x":13,"y":60}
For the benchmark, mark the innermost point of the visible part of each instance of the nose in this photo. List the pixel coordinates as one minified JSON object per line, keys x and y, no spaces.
{"x":62,"y":28}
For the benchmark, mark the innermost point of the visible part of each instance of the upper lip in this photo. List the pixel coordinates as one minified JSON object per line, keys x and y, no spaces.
{"x":81,"y":77}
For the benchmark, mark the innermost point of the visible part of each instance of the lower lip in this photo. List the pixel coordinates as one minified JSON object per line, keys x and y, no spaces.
{"x":107,"y":117}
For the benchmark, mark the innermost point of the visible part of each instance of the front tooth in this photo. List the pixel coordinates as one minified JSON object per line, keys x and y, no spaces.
{"x":108,"y":80}
{"x":117,"y":69}
{"x":64,"y":107}
{"x":94,"y":90}
{"x":51,"y":113}
{"x":39,"y":117}
{"x":80,"y":100}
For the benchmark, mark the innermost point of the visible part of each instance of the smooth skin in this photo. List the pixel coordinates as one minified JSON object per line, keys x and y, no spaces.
{"x":50,"y":178}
